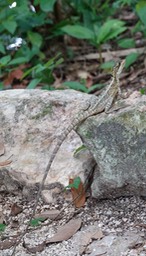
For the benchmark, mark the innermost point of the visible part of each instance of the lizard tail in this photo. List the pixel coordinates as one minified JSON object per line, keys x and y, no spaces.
{"x":75,"y":123}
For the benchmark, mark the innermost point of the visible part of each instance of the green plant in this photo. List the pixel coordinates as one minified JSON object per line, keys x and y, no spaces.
{"x":126,"y":43}
{"x":143,"y":91}
{"x":81,"y":86}
{"x":130,"y":59}
{"x":141,"y":11}
{"x":98,"y":34}
{"x":2,"y":227}
{"x":75,"y":184}
{"x":36,"y":222}
{"x":42,"y":73}
{"x":36,"y":23}
{"x":127,"y":2}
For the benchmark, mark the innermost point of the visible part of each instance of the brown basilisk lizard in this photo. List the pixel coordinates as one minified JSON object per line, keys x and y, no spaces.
{"x":103,"y":103}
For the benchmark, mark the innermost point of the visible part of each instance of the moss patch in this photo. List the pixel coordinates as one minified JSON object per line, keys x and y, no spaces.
{"x":47,"y":110}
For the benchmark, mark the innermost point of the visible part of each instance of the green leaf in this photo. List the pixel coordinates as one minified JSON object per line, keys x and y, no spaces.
{"x":1,"y":86}
{"x":78,"y":32}
{"x":54,"y":62}
{"x":34,"y":83}
{"x":39,"y":68}
{"x":47,"y":5}
{"x":58,"y":62}
{"x":107,"y":65}
{"x":4,"y":60}
{"x":115,"y":33}
{"x":110,"y":29}
{"x":35,"y":38}
{"x":36,"y":222}
{"x":2,"y":227}
{"x":50,"y":63}
{"x":141,"y":10}
{"x":126,"y":2}
{"x":76,"y":86}
{"x":79,"y":149}
{"x":2,"y":48}
{"x":10,"y":25}
{"x":48,"y":87}
{"x":36,"y":2}
{"x":95,"y":86}
{"x":131,"y":58}
{"x":143,"y":91}
{"x":18,"y":60}
{"x":44,"y":71}
{"x":76,"y":182}
{"x":10,"y":2}
{"x":126,"y":43}
{"x":27,"y":72}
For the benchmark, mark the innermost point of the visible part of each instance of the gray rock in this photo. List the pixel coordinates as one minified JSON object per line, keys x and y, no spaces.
{"x":113,"y":245}
{"x":118,"y":143}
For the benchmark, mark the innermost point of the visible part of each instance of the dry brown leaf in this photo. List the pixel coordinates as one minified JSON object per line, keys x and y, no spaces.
{"x":63,"y":233}
{"x":85,"y":239}
{"x":87,"y":236}
{"x":6,"y":244}
{"x":79,"y":196}
{"x":89,"y":82}
{"x":14,"y":74}
{"x":15,"y":209}
{"x":66,"y":231}
{"x":6,"y":162}
{"x":50,"y":214}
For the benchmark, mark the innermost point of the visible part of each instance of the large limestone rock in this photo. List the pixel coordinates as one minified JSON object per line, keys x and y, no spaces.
{"x":28,"y":121}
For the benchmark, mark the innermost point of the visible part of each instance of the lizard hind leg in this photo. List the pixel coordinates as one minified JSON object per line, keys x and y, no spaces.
{"x":108,"y":109}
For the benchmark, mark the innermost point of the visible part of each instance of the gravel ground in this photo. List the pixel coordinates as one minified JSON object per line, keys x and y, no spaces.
{"x":122,"y":221}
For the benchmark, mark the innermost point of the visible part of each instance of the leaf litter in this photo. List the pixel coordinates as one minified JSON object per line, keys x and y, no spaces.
{"x":107,"y":217}
{"x":63,"y":233}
